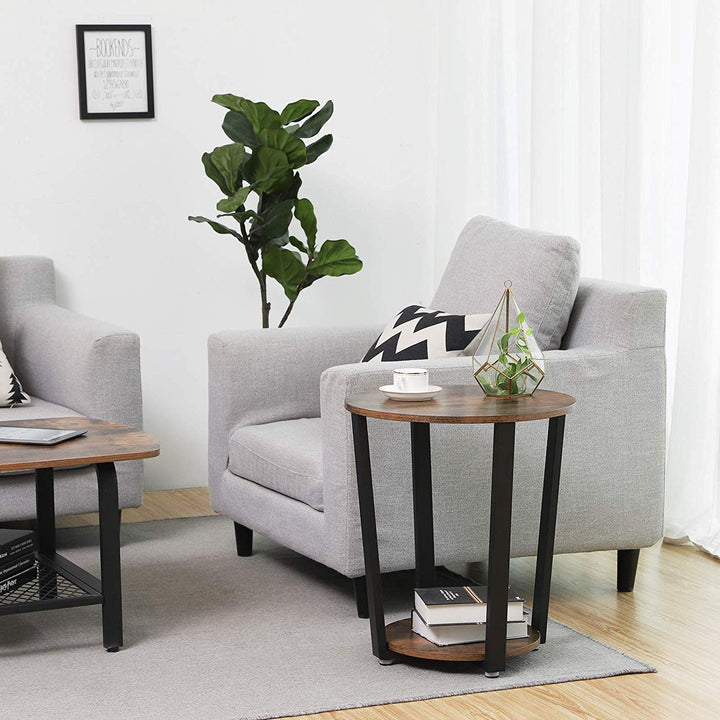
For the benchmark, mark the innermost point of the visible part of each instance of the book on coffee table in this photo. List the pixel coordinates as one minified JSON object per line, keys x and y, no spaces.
{"x":15,"y":543}
{"x":35,"y":435}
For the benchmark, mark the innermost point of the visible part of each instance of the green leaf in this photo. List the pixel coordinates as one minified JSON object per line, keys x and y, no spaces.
{"x":313,"y":125}
{"x":316,"y":149}
{"x":260,"y":115}
{"x":297,"y":110}
{"x":335,"y":258}
{"x":228,"y":160}
{"x":515,"y":331}
{"x":305,"y":213}
{"x":231,"y":204}
{"x":273,"y":223}
{"x":293,"y":148}
{"x":241,"y":217}
{"x":521,"y":318}
{"x":268,"y":169}
{"x":238,"y":128}
{"x":529,"y":331}
{"x":216,"y":226}
{"x":503,"y":341}
{"x":297,"y":244}
{"x":286,"y":268}
{"x":214,"y":174}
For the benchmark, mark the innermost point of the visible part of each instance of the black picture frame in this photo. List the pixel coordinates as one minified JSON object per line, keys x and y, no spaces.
{"x":104,"y":103}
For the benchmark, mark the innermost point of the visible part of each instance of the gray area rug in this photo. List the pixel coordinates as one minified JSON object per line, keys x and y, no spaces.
{"x":214,"y":636}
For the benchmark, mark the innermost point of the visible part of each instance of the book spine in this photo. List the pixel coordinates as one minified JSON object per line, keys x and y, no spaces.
{"x":15,"y":582}
{"x":16,"y":566}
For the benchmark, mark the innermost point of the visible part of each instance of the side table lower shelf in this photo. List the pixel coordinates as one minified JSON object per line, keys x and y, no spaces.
{"x":60,"y":583}
{"x":403,"y":641}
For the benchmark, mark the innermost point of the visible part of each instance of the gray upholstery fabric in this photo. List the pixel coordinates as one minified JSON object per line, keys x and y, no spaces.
{"x":544,"y":270}
{"x":284,"y":456}
{"x":72,"y":365}
{"x":612,"y":481}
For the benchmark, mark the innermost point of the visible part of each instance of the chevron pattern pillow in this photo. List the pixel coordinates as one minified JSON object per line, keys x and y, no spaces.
{"x":11,"y":392}
{"x":418,"y":333}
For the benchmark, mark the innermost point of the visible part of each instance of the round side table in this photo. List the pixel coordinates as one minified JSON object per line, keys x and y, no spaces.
{"x":461,"y":404}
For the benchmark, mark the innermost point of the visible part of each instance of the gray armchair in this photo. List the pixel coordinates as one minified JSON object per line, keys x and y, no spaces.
{"x":70,"y":365}
{"x":281,"y":453}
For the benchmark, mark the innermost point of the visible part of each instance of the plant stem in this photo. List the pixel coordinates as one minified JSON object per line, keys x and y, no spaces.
{"x":264,"y":301}
{"x":292,"y":304}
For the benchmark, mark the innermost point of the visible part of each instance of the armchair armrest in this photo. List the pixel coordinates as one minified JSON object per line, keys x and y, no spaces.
{"x":262,"y":376}
{"x":610,"y":314}
{"x":87,"y":365}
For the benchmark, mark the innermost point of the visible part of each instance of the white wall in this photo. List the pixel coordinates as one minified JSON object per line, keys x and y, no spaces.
{"x":108,"y":200}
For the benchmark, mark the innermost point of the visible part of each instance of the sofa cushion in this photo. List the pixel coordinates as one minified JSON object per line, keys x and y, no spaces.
{"x":544,"y":270}
{"x":284,"y":456}
{"x":37,"y":410}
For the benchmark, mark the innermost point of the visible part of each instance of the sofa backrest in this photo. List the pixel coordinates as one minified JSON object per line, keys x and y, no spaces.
{"x":24,"y":280}
{"x":544,"y":270}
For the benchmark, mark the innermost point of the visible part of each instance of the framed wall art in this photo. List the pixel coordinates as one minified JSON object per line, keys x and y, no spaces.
{"x":115,"y":75}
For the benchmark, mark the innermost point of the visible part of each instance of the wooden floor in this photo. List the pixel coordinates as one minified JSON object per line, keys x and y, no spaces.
{"x":670,"y":621}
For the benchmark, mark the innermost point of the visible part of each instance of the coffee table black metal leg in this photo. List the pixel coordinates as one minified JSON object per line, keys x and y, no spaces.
{"x":548,"y":515}
{"x":422,"y":505}
{"x":110,"y":556}
{"x":369,"y":538}
{"x":499,"y":549}
{"x":45,"y":511}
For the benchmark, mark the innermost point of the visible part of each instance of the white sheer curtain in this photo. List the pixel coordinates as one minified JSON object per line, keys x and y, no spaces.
{"x":601,"y":119}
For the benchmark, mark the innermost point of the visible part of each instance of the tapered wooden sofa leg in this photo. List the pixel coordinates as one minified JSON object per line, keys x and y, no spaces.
{"x":243,"y":540}
{"x":627,"y":563}
{"x":361,"y":598}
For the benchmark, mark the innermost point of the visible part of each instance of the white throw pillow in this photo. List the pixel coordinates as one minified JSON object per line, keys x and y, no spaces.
{"x":11,"y":392}
{"x":418,"y":333}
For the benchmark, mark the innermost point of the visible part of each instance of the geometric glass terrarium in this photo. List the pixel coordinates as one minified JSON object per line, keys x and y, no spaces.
{"x":508,"y":362}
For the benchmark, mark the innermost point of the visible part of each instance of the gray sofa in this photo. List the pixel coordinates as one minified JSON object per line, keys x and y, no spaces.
{"x":70,"y":365}
{"x":281,"y":454}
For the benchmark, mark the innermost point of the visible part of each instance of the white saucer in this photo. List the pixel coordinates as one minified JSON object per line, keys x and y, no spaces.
{"x":410,"y":396}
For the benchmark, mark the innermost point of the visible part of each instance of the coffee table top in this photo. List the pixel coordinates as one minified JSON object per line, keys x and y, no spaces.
{"x":462,"y":404}
{"x":104,"y":442}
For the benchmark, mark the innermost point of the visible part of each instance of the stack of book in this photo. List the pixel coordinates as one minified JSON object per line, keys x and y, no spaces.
{"x":455,"y":615}
{"x":17,"y":559}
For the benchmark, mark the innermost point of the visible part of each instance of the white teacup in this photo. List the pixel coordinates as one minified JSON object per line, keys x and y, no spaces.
{"x":411,"y":379}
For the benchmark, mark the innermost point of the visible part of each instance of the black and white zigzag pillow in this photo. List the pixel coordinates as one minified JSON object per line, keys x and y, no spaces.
{"x":11,"y":392}
{"x":418,"y":333}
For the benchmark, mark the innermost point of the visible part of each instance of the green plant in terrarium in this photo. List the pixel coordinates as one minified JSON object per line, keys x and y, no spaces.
{"x":508,"y":361}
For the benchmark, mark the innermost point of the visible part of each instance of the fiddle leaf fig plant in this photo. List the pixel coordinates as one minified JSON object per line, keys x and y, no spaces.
{"x":258,"y":175}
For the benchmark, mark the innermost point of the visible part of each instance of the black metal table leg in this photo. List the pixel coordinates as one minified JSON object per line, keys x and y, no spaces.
{"x":369,"y":538}
{"x":45,"y":512}
{"x":422,"y":505}
{"x":110,"y":556}
{"x":499,"y":550}
{"x":548,"y":515}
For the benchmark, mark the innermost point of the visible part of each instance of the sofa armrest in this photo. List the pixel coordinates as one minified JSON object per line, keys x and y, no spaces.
{"x":262,"y":376}
{"x":610,"y":314}
{"x":84,"y":364}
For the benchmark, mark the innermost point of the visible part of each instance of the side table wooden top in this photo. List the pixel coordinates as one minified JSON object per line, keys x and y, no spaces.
{"x":104,"y":442}
{"x":462,"y":404}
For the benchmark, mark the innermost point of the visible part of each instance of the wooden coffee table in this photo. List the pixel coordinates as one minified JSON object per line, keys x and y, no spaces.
{"x":461,"y":404}
{"x":61,"y":583}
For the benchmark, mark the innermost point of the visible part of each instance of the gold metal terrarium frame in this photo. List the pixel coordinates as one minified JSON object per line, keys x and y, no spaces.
{"x":508,"y":362}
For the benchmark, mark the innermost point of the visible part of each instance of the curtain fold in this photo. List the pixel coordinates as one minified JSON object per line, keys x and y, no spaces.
{"x":600,"y":119}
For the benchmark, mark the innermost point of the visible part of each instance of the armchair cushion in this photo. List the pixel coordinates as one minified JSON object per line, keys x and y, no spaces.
{"x":544,"y":270}
{"x":284,"y":456}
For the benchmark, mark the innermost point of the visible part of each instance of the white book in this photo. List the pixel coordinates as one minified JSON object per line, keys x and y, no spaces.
{"x":465,"y":633}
